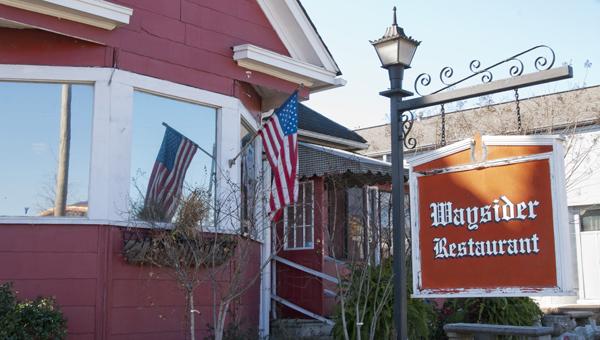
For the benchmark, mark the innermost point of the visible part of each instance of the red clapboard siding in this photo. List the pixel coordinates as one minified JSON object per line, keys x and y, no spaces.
{"x":61,"y":289}
{"x":47,"y":265}
{"x":184,"y":41}
{"x":80,"y":319}
{"x":74,"y":239}
{"x":101,"y":296}
{"x":151,"y":336}
{"x":151,"y":293}
{"x":88,"y":336}
{"x":36,"y":47}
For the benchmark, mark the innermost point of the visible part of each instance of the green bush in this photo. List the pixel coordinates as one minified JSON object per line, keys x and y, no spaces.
{"x":39,"y":319}
{"x":375,"y":279}
{"x":514,"y":311}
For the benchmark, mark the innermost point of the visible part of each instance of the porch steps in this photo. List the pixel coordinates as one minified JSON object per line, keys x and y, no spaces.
{"x":286,"y":329}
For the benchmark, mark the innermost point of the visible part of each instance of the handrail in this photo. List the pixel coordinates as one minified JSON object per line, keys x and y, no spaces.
{"x":306,"y":269}
{"x":301,"y":310}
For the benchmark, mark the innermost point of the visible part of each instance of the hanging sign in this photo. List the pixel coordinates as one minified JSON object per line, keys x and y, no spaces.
{"x":489,"y":218}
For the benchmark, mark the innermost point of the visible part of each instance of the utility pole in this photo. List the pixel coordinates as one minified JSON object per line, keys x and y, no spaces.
{"x":64,"y":148}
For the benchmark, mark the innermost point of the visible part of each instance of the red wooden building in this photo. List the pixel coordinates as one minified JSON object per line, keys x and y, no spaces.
{"x":342,"y":216}
{"x":207,"y":68}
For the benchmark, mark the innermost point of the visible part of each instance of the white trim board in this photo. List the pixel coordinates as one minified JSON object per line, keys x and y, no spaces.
{"x":97,"y":13}
{"x":280,"y":66}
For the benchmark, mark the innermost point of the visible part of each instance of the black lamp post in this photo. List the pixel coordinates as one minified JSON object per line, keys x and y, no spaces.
{"x":396,"y":51}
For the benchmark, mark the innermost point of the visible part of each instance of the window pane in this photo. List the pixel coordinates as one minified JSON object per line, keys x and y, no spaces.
{"x":385,"y":212}
{"x":308,"y":242}
{"x":289,"y":232}
{"x":31,"y":130}
{"x":248,"y":176}
{"x":196,"y":122}
{"x":298,"y":218}
{"x":356,"y":223}
{"x":590,"y":221}
{"x":308,"y":192}
{"x":299,"y":237}
{"x":308,"y":215}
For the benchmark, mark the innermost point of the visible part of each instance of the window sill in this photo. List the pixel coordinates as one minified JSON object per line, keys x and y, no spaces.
{"x":6,"y":220}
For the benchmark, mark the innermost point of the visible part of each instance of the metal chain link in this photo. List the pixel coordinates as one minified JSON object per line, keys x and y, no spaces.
{"x":519,"y":123}
{"x":443,"y":139}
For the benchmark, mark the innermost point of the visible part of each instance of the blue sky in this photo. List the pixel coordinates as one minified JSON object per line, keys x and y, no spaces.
{"x":452,"y":33}
{"x":31,"y":122}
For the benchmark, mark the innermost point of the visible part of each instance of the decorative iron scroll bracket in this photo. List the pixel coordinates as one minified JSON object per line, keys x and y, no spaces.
{"x":542,"y":62}
{"x":406,"y":124}
{"x":449,"y":93}
{"x":496,"y":86}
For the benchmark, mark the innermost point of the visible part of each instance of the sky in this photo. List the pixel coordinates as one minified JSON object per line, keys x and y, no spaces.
{"x":31,"y":116}
{"x":452,"y":33}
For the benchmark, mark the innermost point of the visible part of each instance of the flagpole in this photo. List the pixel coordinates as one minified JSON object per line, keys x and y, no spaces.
{"x":232,"y":161}
{"x":196,"y":144}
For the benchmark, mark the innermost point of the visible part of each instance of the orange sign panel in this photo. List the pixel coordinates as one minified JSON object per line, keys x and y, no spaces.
{"x":488,"y":228}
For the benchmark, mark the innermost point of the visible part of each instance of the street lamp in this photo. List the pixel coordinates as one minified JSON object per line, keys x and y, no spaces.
{"x":396,"y":51}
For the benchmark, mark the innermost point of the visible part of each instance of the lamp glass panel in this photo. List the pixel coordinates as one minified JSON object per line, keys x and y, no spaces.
{"x":406,"y":51}
{"x":388,"y":52}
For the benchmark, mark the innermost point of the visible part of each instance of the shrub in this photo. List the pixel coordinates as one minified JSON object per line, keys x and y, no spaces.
{"x":370,"y":287}
{"x":39,"y":319}
{"x":514,"y":311}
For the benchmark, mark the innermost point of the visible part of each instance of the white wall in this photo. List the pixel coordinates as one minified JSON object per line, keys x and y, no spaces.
{"x":582,"y":164}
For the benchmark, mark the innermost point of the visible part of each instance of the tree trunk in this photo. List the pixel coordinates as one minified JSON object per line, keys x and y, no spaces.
{"x":190,"y":295}
{"x":62,"y":173}
{"x":220,"y":326}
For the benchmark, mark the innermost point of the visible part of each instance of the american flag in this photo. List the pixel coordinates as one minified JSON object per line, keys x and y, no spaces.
{"x":280,"y":142}
{"x":166,"y":181}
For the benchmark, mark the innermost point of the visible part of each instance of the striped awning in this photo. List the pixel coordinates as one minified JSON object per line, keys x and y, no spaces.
{"x":317,"y":160}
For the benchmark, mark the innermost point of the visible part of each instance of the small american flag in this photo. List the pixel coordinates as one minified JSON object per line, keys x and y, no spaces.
{"x":280,"y":142}
{"x":166,"y":181}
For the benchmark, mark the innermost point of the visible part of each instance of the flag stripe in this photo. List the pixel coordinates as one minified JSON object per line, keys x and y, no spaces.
{"x":166,"y":181}
{"x":280,"y":142}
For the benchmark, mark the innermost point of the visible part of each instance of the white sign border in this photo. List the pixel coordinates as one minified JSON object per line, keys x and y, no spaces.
{"x":564,"y":278}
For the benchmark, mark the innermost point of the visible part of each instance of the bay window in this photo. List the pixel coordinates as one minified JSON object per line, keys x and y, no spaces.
{"x":81,"y":142}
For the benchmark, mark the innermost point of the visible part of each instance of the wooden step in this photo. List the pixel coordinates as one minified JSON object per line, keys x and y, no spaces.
{"x":285,"y":329}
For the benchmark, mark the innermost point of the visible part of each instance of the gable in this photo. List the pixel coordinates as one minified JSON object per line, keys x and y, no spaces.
{"x":298,"y":33}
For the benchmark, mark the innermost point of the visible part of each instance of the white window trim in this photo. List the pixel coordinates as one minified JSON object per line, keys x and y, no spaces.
{"x":110,"y":160}
{"x":97,"y":13}
{"x":285,"y":221}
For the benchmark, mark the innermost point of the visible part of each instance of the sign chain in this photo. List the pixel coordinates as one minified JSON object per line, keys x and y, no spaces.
{"x":519,"y":124}
{"x":443,"y":139}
